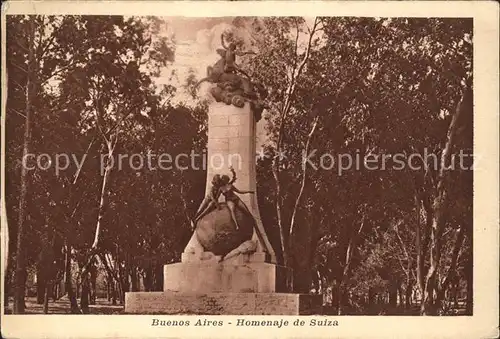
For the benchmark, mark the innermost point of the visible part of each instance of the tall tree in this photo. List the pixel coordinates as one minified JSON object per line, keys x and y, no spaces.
{"x":284,"y":50}
{"x":94,"y":76}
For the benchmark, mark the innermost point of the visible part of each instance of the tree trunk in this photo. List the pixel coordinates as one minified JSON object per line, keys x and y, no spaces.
{"x":158,"y":286}
{"x":276,"y":166}
{"x":113,"y":292}
{"x":419,"y":249}
{"x":125,"y":283}
{"x":20,"y":275}
{"x":393,"y":295}
{"x":316,"y":284}
{"x":102,"y":203}
{"x":93,"y":284}
{"x":401,"y":297}
{"x":371,"y":301}
{"x":455,"y":292}
{"x":148,"y":279}
{"x":133,"y":279}
{"x":114,"y":279}
{"x":291,"y":233}
{"x":439,"y":205}
{"x":347,"y":265}
{"x":408,"y":293}
{"x":340,"y":299}
{"x":55,"y":292}
{"x":6,"y":291}
{"x":78,"y":287}
{"x":48,"y":288}
{"x":121,"y":292}
{"x":451,"y":274}
{"x":278,"y":198}
{"x":68,"y":283}
{"x":84,"y":301}
{"x":40,"y":284}
{"x":108,"y":290}
{"x":429,"y":301}
{"x":470,"y":288}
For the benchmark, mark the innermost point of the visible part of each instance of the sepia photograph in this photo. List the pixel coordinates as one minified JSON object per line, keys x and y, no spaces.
{"x":238,"y":165}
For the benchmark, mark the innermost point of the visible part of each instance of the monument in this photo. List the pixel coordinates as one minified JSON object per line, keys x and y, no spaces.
{"x":229,"y":265}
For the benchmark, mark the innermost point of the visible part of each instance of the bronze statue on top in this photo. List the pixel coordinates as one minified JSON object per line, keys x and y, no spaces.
{"x":232,"y":88}
{"x":230,"y":54}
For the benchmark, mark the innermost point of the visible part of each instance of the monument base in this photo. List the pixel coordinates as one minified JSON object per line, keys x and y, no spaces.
{"x":222,"y":303}
{"x":242,"y":285}
{"x":241,"y":274}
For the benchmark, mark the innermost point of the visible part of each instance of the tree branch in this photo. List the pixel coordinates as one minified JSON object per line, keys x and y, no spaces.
{"x":452,"y":129}
{"x":350,"y":247}
{"x":401,"y":242}
{"x":48,"y":44}
{"x":111,"y":272}
{"x":77,"y":174}
{"x":21,"y":87}
{"x":283,"y":115}
{"x":304,"y":177}
{"x":98,"y":123}
{"x":59,"y":71}
{"x":17,"y":112}
{"x":183,"y":199}
{"x":19,"y":67}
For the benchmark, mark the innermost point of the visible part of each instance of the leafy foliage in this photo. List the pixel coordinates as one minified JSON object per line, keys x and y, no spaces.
{"x":363,"y":87}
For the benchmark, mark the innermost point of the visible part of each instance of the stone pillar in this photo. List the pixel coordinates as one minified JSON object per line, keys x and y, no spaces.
{"x":232,"y":142}
{"x":247,"y":280}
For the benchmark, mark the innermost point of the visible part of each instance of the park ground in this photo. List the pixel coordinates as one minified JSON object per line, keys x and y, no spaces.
{"x":103,"y":306}
{"x":62,"y":306}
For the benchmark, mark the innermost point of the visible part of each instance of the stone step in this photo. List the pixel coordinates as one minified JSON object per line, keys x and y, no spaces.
{"x":222,"y":303}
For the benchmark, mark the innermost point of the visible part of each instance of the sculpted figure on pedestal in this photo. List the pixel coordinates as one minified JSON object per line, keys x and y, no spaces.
{"x":220,"y":228}
{"x":232,"y":88}
{"x":232,"y":228}
{"x":230,"y":54}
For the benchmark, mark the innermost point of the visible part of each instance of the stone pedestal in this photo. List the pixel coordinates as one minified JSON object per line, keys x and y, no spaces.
{"x":232,"y":143}
{"x":243,"y":274}
{"x":241,"y":284}
{"x":222,"y":303}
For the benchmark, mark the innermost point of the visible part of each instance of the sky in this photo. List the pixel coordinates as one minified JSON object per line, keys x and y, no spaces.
{"x":196,"y":42}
